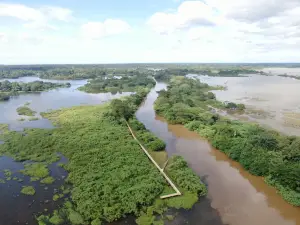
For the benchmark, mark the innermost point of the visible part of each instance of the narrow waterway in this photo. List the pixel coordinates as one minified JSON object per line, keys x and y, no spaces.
{"x":238,"y":197}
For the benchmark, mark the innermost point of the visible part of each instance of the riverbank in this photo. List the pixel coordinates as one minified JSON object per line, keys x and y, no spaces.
{"x":233,"y":193}
{"x":262,"y":152}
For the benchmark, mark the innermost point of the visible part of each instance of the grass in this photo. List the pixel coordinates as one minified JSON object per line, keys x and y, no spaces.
{"x":25,"y":111}
{"x":28,"y":190}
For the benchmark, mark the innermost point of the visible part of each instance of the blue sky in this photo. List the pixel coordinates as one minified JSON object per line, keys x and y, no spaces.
{"x":90,"y":31}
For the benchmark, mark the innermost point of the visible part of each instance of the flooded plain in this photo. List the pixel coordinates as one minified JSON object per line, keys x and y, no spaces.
{"x":234,"y":196}
{"x":16,"y":208}
{"x":239,"y":197}
{"x":272,"y":101}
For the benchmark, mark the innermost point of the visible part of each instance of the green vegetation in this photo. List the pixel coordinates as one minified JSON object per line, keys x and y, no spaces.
{"x":114,"y":85}
{"x":48,"y":180}
{"x":168,"y":73}
{"x":25,"y":111}
{"x":109,"y":173}
{"x":28,"y":190}
{"x":261,"y":151}
{"x":4,"y":97}
{"x":2,"y":181}
{"x":21,"y":119}
{"x":37,"y":170}
{"x":35,"y":86}
{"x":150,"y":141}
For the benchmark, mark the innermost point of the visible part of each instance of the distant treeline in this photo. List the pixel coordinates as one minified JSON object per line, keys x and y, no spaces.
{"x":290,"y":76}
{"x":7,"y":86}
{"x":165,"y":75}
{"x":161,"y":71}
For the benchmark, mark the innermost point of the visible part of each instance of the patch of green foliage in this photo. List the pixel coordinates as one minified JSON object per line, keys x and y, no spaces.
{"x":38,"y":170}
{"x":21,"y":119}
{"x":114,"y":85}
{"x":261,"y":151}
{"x":2,"y":181}
{"x":28,"y":190}
{"x":7,"y":173}
{"x":4,"y":97}
{"x":25,"y":111}
{"x":48,"y":180}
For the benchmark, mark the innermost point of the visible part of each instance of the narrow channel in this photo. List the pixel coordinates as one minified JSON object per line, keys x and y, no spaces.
{"x":237,"y":196}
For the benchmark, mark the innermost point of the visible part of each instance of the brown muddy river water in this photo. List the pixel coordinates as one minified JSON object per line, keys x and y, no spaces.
{"x":240,"y":198}
{"x":268,"y":99}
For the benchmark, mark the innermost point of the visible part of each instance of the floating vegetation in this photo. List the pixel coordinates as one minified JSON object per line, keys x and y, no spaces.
{"x":36,"y":170}
{"x":33,"y":118}
{"x":47,"y":180}
{"x":28,"y":190}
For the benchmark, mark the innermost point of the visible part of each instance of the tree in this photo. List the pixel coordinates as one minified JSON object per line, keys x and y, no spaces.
{"x":119,"y":109}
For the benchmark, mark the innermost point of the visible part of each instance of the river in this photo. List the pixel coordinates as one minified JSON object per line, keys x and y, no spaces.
{"x":239,"y":197}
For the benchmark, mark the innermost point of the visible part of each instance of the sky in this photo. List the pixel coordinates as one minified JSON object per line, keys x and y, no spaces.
{"x":151,"y":31}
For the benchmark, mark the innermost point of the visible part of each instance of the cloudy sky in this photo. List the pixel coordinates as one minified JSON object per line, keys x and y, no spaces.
{"x":119,"y":31}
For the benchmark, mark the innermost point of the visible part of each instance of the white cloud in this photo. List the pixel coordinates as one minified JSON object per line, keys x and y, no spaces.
{"x":96,"y":30}
{"x":19,"y":11}
{"x":36,"y":18}
{"x":189,"y":14}
{"x":3,"y":37}
{"x":57,"y":13}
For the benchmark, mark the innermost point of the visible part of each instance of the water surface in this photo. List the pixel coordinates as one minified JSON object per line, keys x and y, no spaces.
{"x":270,"y":96}
{"x":44,"y":101}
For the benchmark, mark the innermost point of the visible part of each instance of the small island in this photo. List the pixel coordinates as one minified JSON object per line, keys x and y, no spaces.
{"x":118,"y":84}
{"x":8,"y":88}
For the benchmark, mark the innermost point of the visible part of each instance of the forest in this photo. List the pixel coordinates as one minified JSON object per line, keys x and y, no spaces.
{"x":110,"y":175}
{"x":35,"y":86}
{"x":161,"y":72}
{"x":118,"y":84}
{"x":261,"y":151}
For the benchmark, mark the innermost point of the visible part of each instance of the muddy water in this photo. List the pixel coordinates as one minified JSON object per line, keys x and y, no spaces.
{"x":271,"y":96}
{"x":240,"y":198}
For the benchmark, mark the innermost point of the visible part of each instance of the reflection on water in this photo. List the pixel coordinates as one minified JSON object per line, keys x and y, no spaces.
{"x":240,"y":198}
{"x":272,"y":94}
